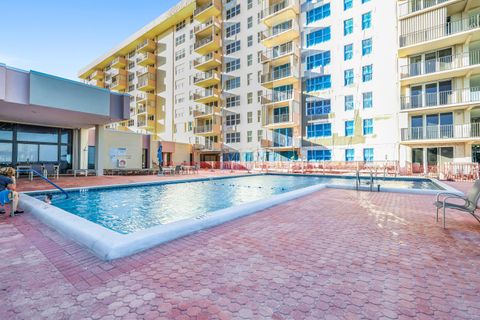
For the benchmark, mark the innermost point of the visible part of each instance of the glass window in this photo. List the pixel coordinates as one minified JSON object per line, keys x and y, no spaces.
{"x":318,"y":13}
{"x":27,"y":152}
{"x":366,"y":46}
{"x":367,"y":73}
{"x":349,"y":128}
{"x":366,"y":20}
{"x":37,"y":134}
{"x":347,"y":4}
{"x":368,"y":154}
{"x":318,"y":60}
{"x":319,"y":83}
{"x":367,"y":100}
{"x":48,"y":153}
{"x":319,"y":155}
{"x":348,"y":77}
{"x":348,"y":101}
{"x":318,"y":36}
{"x":348,"y":52}
{"x":318,"y":107}
{"x":5,"y":153}
{"x":367,"y":126}
{"x":6,"y":131}
{"x":347,"y":27}
{"x":319,"y":130}
{"x":349,"y":154}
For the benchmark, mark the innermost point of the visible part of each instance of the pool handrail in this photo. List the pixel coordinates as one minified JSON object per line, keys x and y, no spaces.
{"x":35,"y":172}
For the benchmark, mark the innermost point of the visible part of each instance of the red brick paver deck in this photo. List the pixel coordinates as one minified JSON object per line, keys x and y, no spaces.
{"x":333,"y":254}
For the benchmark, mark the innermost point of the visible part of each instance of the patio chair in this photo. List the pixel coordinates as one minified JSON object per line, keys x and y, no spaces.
{"x":178,"y":169}
{"x":50,"y":170}
{"x":469,"y":204}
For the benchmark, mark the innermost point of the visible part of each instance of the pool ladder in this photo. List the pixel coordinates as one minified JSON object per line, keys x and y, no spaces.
{"x":358,"y":181}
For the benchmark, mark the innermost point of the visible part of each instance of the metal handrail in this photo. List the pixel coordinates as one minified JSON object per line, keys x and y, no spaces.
{"x":465,"y":95}
{"x":412,"y":6}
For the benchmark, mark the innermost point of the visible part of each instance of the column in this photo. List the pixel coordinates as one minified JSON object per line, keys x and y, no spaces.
{"x":99,"y":149}
{"x":425,"y":161}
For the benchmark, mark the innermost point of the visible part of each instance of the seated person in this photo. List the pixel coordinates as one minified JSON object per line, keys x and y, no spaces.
{"x":7,"y":182}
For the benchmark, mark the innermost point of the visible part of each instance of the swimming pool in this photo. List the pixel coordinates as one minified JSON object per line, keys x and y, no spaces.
{"x":117,"y":221}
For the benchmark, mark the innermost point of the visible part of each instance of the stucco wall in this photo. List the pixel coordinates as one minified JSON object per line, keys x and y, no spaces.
{"x":118,"y":139}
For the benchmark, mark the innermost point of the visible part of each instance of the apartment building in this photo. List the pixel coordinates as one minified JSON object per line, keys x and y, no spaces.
{"x":439,"y":59}
{"x":266,"y":80}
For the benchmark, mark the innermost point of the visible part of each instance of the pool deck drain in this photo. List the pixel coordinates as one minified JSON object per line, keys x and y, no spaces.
{"x":336,"y":253}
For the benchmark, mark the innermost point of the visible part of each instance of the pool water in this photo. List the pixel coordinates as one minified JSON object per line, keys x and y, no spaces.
{"x":133,"y":208}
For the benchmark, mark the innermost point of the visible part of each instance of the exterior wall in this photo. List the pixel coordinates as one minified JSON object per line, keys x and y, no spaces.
{"x":117,"y":139}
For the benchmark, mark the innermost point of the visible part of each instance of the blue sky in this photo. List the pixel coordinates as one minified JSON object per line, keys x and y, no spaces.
{"x":62,"y":36}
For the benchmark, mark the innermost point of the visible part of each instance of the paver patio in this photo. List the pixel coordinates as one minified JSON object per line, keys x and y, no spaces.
{"x":332,"y":254}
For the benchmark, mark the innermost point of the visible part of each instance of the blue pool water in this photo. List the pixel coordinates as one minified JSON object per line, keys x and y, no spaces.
{"x":134,"y":208}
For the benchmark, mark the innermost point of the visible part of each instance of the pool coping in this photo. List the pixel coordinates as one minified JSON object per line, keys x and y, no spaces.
{"x":108,"y":244}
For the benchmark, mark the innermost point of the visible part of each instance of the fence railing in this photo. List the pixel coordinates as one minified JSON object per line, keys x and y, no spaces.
{"x":435,"y":99}
{"x":450,"y":131}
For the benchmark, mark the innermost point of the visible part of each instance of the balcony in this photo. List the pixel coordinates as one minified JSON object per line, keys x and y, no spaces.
{"x":206,"y":95}
{"x":97,"y":75}
{"x":452,"y":99}
{"x":441,"y":36}
{"x":445,"y":67}
{"x":152,"y":71}
{"x":442,"y":133}
{"x":280,"y":12}
{"x":146,"y":82}
{"x":281,"y":54}
{"x":208,"y":61}
{"x":118,"y":62}
{"x":120,"y":83}
{"x":207,"y":129}
{"x":281,"y":143}
{"x":276,"y":36}
{"x":143,"y":98}
{"x":203,"y":111}
{"x":280,"y":77}
{"x":97,"y":83}
{"x":415,"y":6}
{"x":210,"y":26}
{"x":118,"y":72}
{"x":279,"y":98}
{"x":146,"y":59}
{"x":147,"y":108}
{"x":147,"y":45}
{"x":276,"y":121}
{"x":144,"y":122}
{"x":207,"y":9}
{"x":208,"y":44}
{"x":207,"y":79}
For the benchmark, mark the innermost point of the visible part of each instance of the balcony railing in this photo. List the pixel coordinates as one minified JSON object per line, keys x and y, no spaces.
{"x":412,"y":6}
{"x":278,"y":96}
{"x":277,"y":75}
{"x":450,"y":131}
{"x":277,"y":7}
{"x":202,"y":42}
{"x":280,"y":141}
{"x":273,"y":32}
{"x":204,"y":7}
{"x":202,"y":76}
{"x":440,"y":31}
{"x":203,"y":93}
{"x":280,"y":51}
{"x":450,"y":97}
{"x":441,"y":64}
{"x":203,"y":129}
{"x":208,"y":23}
{"x":204,"y":110}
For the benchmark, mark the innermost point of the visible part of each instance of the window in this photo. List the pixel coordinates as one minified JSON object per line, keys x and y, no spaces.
{"x":318,"y":13}
{"x":368,"y":154}
{"x":250,"y":41}
{"x":367,"y":73}
{"x":249,"y":117}
{"x":259,"y":135}
{"x":249,"y":78}
{"x":319,"y":155}
{"x":232,"y":65}
{"x":347,"y":4}
{"x":367,"y":100}
{"x":250,"y":98}
{"x":348,"y":77}
{"x":249,"y":22}
{"x":179,"y":54}
{"x":318,"y":60}
{"x":249,"y":136}
{"x":367,"y":126}
{"x":366,"y":46}
{"x":249,"y":4}
{"x":180,"y":39}
{"x":180,"y":25}
{"x":248,"y":156}
{"x":365,"y":1}
{"x":318,"y":36}
{"x":366,"y":20}
{"x":249,"y":60}
{"x":232,"y":83}
{"x":347,"y":27}
{"x":349,"y":128}
{"x":233,"y":47}
{"x":348,"y":52}
{"x":348,"y":101}
{"x":349,"y":154}
{"x":319,"y":130}
{"x":232,"y":29}
{"x":318,"y":107}
{"x":319,"y":83}
{"x":233,"y":137}
{"x":232,"y":101}
{"x":232,"y":119}
{"x":259,"y":115}
{"x":230,"y":13}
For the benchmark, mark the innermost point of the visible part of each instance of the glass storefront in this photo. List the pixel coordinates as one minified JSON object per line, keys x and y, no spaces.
{"x":30,"y":145}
